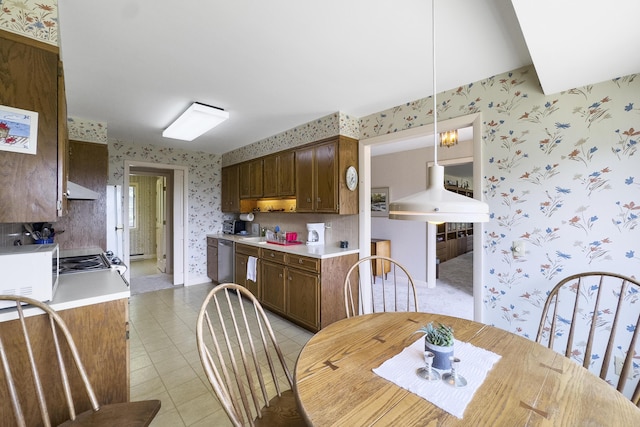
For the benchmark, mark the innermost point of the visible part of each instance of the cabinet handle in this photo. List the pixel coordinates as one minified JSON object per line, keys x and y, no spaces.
{"x":272,"y":254}
{"x":319,"y":200}
{"x":280,"y":275}
{"x":308,"y":200}
{"x":300,"y":261}
{"x":290,"y":278}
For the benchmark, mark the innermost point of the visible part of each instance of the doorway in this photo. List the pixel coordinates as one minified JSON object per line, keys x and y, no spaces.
{"x":366,"y":146}
{"x":155,"y":208}
{"x":150,"y":225}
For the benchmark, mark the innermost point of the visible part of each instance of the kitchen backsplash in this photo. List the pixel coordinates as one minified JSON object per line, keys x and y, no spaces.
{"x":10,"y":232}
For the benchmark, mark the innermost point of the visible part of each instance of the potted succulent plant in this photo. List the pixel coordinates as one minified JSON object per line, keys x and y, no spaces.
{"x":438,"y":340}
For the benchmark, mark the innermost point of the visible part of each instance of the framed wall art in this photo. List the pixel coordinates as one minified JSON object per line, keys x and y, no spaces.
{"x":380,"y":201}
{"x":18,"y":130}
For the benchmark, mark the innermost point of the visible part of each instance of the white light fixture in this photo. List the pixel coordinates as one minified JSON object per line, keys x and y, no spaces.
{"x":196,"y":120}
{"x":435,"y":204}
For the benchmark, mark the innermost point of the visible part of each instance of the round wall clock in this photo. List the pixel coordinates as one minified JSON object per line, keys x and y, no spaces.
{"x":352,"y":178}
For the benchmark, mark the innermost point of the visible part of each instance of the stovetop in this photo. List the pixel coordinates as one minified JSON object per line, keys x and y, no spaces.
{"x":83,"y":263}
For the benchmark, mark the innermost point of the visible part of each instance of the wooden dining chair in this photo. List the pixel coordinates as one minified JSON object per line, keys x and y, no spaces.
{"x":40,"y":363}
{"x":242,"y":360}
{"x":594,"y":318}
{"x":395,"y":291}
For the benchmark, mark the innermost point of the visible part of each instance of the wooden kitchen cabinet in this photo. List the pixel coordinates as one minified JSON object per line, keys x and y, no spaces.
{"x":243,"y":252}
{"x":29,"y":79}
{"x":306,"y":290}
{"x":279,"y":175}
{"x":100,"y":332}
{"x":320,"y":176}
{"x":212,"y":259}
{"x":273,"y":282}
{"x":230,"y":198}
{"x":251,"y":179}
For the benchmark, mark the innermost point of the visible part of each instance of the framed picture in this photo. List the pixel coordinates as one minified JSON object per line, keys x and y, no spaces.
{"x":18,"y":130}
{"x":380,"y":201}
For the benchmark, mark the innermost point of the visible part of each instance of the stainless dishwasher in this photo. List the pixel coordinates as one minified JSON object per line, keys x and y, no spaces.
{"x":226,"y":253}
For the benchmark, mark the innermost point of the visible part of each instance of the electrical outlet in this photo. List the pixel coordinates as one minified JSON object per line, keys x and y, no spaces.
{"x":517,"y":249}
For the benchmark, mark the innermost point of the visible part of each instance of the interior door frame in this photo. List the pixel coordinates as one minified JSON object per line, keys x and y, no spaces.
{"x":180,"y":216}
{"x":364,"y":150}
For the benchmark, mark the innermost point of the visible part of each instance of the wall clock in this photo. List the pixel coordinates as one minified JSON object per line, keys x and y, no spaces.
{"x":352,"y":178}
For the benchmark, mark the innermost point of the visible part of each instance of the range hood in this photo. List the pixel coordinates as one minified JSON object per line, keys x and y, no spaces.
{"x":78,"y":192}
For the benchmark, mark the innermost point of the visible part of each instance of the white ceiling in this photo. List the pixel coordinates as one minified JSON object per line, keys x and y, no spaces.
{"x":278,"y":64}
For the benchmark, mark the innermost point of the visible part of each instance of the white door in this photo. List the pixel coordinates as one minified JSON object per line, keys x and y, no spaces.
{"x":178,"y":227}
{"x":161,"y":224}
{"x":115,"y":226}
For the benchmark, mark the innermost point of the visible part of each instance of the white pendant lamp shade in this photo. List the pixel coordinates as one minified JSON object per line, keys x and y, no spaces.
{"x":438,"y":205}
{"x":196,"y":120}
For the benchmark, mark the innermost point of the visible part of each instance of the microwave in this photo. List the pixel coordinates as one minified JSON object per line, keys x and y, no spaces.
{"x":233,"y":226}
{"x":30,"y":271}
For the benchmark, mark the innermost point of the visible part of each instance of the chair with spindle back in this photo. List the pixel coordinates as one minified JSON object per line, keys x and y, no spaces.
{"x":594,"y":318}
{"x":243,"y":361}
{"x":40,"y":367}
{"x":395,"y":292}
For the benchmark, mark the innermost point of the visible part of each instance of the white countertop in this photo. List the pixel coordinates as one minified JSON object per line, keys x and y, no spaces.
{"x":78,"y":290}
{"x":313,"y":251}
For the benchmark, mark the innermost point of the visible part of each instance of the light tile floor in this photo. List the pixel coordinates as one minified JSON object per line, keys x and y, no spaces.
{"x":164,"y":360}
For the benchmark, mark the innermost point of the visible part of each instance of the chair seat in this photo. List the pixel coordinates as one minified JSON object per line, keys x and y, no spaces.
{"x":128,"y":414}
{"x":282,"y":411}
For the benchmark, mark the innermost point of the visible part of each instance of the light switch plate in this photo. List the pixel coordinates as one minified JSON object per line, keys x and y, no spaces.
{"x":517,"y":249}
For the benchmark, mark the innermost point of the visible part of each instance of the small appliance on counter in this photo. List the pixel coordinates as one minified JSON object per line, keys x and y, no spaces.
{"x":29,"y":270}
{"x":234,"y":226}
{"x":315,"y":233}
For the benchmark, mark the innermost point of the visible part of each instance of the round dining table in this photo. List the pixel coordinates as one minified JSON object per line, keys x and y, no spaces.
{"x":529,"y":385}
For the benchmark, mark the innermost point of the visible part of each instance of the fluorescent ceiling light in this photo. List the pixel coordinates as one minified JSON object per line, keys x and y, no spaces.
{"x":198,"y":119}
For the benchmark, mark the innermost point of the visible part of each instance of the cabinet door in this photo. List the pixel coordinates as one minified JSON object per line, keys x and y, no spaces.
{"x":270,"y":176}
{"x":303,"y":296}
{"x":29,"y":182}
{"x":326,"y":178}
{"x":230,"y":189}
{"x":273,"y":286}
{"x":256,"y":178}
{"x":212,"y":259}
{"x":286,"y":174}
{"x":304,"y":180}
{"x":242,"y":260}
{"x":245,"y":180}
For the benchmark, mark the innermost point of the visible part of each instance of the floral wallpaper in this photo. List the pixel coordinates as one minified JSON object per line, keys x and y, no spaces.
{"x":35,"y":19}
{"x":87,"y":130}
{"x":324,"y":127}
{"x":203,"y":198}
{"x":560,"y":173}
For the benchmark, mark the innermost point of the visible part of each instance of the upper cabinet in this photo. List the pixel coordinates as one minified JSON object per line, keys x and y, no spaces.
{"x":321,"y":176}
{"x":315,"y":175}
{"x":278,"y":176}
{"x":29,"y":183}
{"x":251,"y":179}
{"x":230,"y":202}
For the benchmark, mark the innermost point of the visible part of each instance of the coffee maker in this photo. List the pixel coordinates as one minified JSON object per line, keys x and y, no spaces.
{"x":315,"y":233}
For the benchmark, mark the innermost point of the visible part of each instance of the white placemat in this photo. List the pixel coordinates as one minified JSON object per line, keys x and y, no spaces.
{"x":474,"y":365}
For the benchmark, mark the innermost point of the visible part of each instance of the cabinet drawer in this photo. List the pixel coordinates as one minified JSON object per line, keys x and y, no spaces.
{"x":212,"y":241}
{"x":303,"y":262}
{"x":248,"y":250}
{"x":271,"y":255}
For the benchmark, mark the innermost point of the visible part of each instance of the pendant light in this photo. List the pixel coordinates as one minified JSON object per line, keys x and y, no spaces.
{"x":436,"y":204}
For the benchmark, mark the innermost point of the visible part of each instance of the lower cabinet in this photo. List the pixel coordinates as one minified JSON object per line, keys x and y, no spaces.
{"x":242,"y":277}
{"x":212,"y":259}
{"x":306,"y":290}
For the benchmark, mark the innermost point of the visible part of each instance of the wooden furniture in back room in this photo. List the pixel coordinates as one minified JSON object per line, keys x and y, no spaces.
{"x":379,"y":267}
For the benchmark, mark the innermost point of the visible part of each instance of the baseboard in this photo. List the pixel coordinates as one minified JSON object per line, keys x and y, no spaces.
{"x":199,"y":280}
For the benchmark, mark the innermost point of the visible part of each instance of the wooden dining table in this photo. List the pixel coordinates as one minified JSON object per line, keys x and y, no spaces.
{"x":530,"y":384}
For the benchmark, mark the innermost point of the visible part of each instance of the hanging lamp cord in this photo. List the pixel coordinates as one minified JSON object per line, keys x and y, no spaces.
{"x":435,"y":104}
